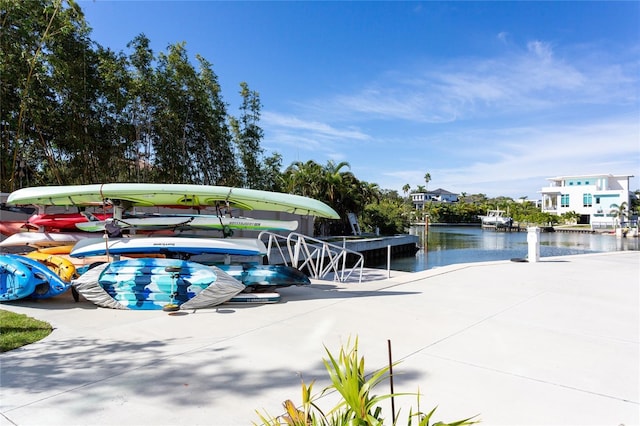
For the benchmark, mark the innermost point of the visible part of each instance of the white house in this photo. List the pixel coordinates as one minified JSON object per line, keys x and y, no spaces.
{"x":591,"y":196}
{"x":437,"y":195}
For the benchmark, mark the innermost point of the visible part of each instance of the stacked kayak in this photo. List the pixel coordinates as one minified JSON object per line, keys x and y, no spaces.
{"x":16,"y":280}
{"x":154,"y":283}
{"x":261,"y":278}
{"x":21,"y":277}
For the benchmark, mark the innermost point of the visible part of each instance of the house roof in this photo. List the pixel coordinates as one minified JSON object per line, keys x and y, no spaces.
{"x":596,"y":175}
{"x":441,"y":191}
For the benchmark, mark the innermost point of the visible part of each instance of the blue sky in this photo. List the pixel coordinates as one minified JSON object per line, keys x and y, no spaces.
{"x":487,"y":97}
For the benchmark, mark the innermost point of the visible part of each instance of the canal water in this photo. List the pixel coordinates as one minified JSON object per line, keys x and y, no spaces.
{"x":447,"y":245}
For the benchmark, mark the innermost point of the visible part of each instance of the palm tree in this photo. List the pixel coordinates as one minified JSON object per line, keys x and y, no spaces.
{"x":406,"y":189}
{"x":619,"y":212}
{"x":333,"y":179}
{"x":304,"y":179}
{"x":427,"y":179}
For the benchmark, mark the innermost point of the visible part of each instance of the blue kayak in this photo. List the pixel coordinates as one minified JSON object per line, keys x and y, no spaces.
{"x":266,"y":277}
{"x":16,"y":280}
{"x":47,"y":282}
{"x":153,"y":283}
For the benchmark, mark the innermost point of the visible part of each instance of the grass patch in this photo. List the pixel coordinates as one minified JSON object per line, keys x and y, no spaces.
{"x":17,"y":330}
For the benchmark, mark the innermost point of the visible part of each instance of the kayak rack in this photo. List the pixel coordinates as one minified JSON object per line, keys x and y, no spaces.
{"x":318,"y":257}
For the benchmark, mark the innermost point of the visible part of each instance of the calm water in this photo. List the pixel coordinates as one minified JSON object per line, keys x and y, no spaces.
{"x":447,"y":245}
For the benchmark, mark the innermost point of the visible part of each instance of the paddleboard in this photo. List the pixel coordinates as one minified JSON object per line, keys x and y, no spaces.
{"x":16,"y":279}
{"x":48,"y":283}
{"x":43,"y":239}
{"x":254,"y":298}
{"x":168,"y":246}
{"x":170,"y":195}
{"x":191,"y":221}
{"x":263,"y":277}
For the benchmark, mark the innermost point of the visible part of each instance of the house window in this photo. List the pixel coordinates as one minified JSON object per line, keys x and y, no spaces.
{"x":587,"y":200}
{"x":564,"y":200}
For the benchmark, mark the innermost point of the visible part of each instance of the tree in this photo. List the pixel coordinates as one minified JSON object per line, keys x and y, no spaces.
{"x":141,"y":107}
{"x":427,"y":179}
{"x":73,"y":112}
{"x":304,"y":179}
{"x":35,"y":80}
{"x":406,"y":189}
{"x":619,"y":212}
{"x":247,"y":135}
{"x":192,"y":141}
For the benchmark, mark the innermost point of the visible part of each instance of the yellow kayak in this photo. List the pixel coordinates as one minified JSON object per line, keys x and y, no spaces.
{"x":64,"y":268}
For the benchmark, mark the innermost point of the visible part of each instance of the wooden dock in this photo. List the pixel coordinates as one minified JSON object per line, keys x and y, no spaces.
{"x":506,"y":228}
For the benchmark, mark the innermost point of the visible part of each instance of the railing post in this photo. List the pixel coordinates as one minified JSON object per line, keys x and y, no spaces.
{"x":389,"y":261}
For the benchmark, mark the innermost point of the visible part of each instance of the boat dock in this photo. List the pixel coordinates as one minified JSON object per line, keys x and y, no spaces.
{"x":514,"y":343}
{"x":513,"y":227}
{"x":374,"y":250}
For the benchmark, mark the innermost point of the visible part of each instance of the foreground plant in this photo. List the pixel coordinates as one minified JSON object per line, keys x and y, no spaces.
{"x":358,"y":405}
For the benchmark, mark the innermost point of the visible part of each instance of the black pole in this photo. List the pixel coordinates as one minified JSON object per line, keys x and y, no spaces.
{"x":393,"y":405}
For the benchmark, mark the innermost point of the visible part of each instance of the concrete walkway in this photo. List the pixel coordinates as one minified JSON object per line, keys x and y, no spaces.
{"x":548,"y":343}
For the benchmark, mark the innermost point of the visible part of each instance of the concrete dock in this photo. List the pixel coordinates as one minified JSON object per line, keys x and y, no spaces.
{"x":555,"y":342}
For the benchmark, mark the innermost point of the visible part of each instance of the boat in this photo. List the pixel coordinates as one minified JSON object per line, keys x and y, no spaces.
{"x":47,"y":282}
{"x":152,"y":284}
{"x":169,"y":195}
{"x":170,"y":246}
{"x":155,"y":222}
{"x":16,"y":279}
{"x":496,"y":218}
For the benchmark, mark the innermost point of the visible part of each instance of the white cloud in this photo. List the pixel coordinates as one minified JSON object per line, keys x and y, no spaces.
{"x":523,"y":82}
{"x":498,"y":126}
{"x":323,"y":130}
{"x":541,"y":50}
{"x":503,"y":36}
{"x":520,"y":159}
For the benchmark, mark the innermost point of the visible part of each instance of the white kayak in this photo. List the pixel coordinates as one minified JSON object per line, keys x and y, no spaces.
{"x":43,"y":239}
{"x":168,"y":245}
{"x":191,"y":221}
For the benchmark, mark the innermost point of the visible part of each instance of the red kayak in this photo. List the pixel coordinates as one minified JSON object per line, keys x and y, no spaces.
{"x":9,"y":228}
{"x":65,"y":220}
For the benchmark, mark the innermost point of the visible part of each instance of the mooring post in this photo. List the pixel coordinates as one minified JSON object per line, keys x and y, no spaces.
{"x":533,"y":239}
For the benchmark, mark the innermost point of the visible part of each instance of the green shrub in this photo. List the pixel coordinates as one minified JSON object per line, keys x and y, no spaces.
{"x":358,"y":405}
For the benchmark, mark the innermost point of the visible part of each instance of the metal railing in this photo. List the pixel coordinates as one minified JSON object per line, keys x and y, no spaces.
{"x":319,"y":257}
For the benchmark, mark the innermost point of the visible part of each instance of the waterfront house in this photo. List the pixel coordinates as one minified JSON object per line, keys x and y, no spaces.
{"x":591,"y":196}
{"x":437,"y":195}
